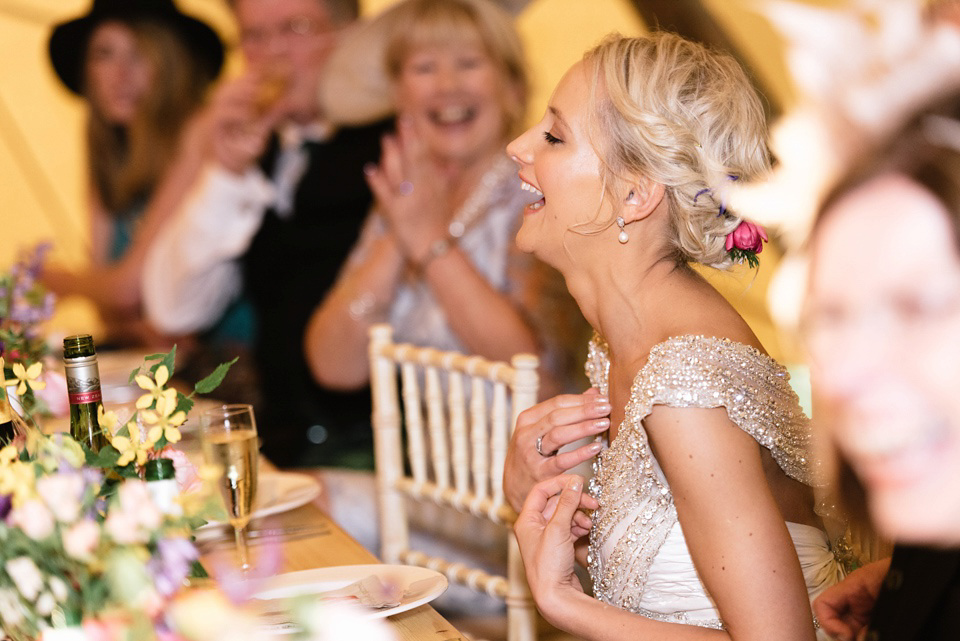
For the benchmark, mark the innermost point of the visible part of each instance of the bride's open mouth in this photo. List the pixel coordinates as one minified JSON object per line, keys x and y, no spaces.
{"x":537,"y":204}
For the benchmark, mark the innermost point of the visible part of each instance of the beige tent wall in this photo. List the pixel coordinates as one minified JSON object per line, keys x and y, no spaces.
{"x":42,"y":168}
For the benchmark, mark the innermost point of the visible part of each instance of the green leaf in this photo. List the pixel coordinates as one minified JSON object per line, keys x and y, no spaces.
{"x":167,"y":359}
{"x":213,"y":381}
{"x":129,"y":471}
{"x":197,"y":571}
{"x":184,"y":404}
{"x":107,"y":457}
{"x":133,"y":375}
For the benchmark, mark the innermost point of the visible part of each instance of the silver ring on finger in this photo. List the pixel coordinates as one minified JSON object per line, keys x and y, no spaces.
{"x":540,"y":448}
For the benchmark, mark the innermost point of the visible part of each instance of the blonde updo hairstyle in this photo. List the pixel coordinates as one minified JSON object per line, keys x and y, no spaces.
{"x":687,"y":118}
{"x":424,"y":23}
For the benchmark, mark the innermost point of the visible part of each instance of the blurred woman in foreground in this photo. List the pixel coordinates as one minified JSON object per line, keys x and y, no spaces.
{"x":883,"y":326}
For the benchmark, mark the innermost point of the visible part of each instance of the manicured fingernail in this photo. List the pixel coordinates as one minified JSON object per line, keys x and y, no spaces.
{"x":602,"y":408}
{"x":601,"y":399}
{"x":370,"y":169}
{"x":601,"y":424}
{"x":595,"y":448}
{"x":574,"y":484}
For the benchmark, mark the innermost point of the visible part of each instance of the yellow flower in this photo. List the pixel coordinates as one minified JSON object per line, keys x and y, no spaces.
{"x":165,"y":420}
{"x":155,"y":389}
{"x":8,"y":455}
{"x":17,"y":478}
{"x":132,"y":447}
{"x":108,"y":420}
{"x":28,"y":376}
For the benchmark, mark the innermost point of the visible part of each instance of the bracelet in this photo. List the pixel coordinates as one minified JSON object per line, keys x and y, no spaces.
{"x":437,"y":249}
{"x":362,"y":306}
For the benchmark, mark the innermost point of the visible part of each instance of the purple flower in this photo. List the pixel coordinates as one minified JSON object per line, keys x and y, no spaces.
{"x":6,"y":501}
{"x":170,"y":564}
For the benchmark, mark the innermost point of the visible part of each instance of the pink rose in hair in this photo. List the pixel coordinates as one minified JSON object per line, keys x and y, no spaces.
{"x":748,"y":237}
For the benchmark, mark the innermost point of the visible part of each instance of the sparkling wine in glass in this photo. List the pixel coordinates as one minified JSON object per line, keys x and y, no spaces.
{"x":228,"y":436}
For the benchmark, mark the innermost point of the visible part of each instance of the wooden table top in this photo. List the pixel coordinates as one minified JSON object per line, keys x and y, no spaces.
{"x":315,"y":541}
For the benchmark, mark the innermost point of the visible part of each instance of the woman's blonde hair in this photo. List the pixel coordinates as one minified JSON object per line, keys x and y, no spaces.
{"x":126,"y":163}
{"x":685,"y":117}
{"x":420,"y":23}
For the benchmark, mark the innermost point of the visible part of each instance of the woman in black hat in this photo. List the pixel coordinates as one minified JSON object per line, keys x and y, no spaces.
{"x":143,"y":68}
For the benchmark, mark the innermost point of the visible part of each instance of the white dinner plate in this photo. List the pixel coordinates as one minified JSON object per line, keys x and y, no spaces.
{"x":279,"y":492}
{"x":421,"y":585}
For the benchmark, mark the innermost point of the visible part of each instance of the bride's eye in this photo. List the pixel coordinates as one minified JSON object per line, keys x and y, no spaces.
{"x":551,"y":139}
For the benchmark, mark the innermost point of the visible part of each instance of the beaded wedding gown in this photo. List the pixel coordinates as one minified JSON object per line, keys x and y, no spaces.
{"x":638,"y":557}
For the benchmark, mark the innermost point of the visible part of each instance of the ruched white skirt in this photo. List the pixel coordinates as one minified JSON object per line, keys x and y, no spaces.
{"x":674,"y":592}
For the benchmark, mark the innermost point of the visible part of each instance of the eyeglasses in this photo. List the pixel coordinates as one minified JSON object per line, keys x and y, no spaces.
{"x":298,"y":28}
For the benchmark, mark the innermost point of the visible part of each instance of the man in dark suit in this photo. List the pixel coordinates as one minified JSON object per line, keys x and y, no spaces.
{"x":271,"y":221}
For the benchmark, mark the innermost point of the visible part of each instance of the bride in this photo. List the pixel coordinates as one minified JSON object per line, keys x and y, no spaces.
{"x":703,"y":486}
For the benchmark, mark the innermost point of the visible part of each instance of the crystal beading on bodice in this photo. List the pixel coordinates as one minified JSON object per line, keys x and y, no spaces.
{"x":636,"y":505}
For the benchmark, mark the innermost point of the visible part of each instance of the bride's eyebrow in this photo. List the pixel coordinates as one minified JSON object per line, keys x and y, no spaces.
{"x":559,"y":117}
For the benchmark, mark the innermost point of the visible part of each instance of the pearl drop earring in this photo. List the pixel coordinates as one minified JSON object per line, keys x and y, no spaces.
{"x":623,"y":238}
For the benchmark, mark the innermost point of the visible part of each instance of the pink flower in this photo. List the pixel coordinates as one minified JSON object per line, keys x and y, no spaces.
{"x":186,"y":472}
{"x":81,"y":539}
{"x":133,"y":516}
{"x":26,"y":576}
{"x":34,"y":519}
{"x":106,"y":628}
{"x":747,"y":236}
{"x":62,"y":493}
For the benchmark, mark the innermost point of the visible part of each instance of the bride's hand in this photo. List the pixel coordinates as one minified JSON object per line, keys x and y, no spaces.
{"x":557,"y":422}
{"x":547,"y":528}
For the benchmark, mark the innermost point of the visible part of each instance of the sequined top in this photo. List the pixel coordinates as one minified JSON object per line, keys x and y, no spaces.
{"x":636,"y":510}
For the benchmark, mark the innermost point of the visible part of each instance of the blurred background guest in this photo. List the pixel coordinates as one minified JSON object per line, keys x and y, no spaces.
{"x":272,"y":219}
{"x":142,"y":68}
{"x":437,"y":258}
{"x":882,"y":323}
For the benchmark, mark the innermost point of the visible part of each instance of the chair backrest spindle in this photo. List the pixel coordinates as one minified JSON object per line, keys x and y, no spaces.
{"x":457,"y":413}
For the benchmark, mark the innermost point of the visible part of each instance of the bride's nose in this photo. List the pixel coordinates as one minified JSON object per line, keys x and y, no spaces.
{"x":519,"y":149}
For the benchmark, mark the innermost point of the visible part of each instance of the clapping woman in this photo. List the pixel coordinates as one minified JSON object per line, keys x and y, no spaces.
{"x":436,"y":258}
{"x":703,"y":482}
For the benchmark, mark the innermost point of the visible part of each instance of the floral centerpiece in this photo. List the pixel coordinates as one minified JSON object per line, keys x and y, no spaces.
{"x":83,"y":544}
{"x":81,"y":539}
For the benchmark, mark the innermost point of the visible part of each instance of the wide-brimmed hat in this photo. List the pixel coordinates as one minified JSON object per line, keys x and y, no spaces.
{"x":68,"y":42}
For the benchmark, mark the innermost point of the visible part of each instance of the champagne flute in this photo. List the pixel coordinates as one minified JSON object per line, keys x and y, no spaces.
{"x":228,"y":435}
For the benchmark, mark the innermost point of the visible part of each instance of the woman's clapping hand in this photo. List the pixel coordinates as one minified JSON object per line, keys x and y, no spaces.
{"x":411,"y":193}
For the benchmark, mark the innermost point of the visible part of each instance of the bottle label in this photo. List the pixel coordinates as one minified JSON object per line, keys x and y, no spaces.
{"x":83,"y":381}
{"x":82,"y":398}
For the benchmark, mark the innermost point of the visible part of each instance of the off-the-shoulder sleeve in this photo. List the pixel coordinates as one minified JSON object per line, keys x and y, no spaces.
{"x":694,"y":371}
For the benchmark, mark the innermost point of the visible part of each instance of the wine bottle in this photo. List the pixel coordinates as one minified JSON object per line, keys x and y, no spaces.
{"x":161,"y":479}
{"x":7,"y":429}
{"x":83,"y":387}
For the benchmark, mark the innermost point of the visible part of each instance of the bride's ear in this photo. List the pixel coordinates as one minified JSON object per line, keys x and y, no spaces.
{"x":643,"y":198}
